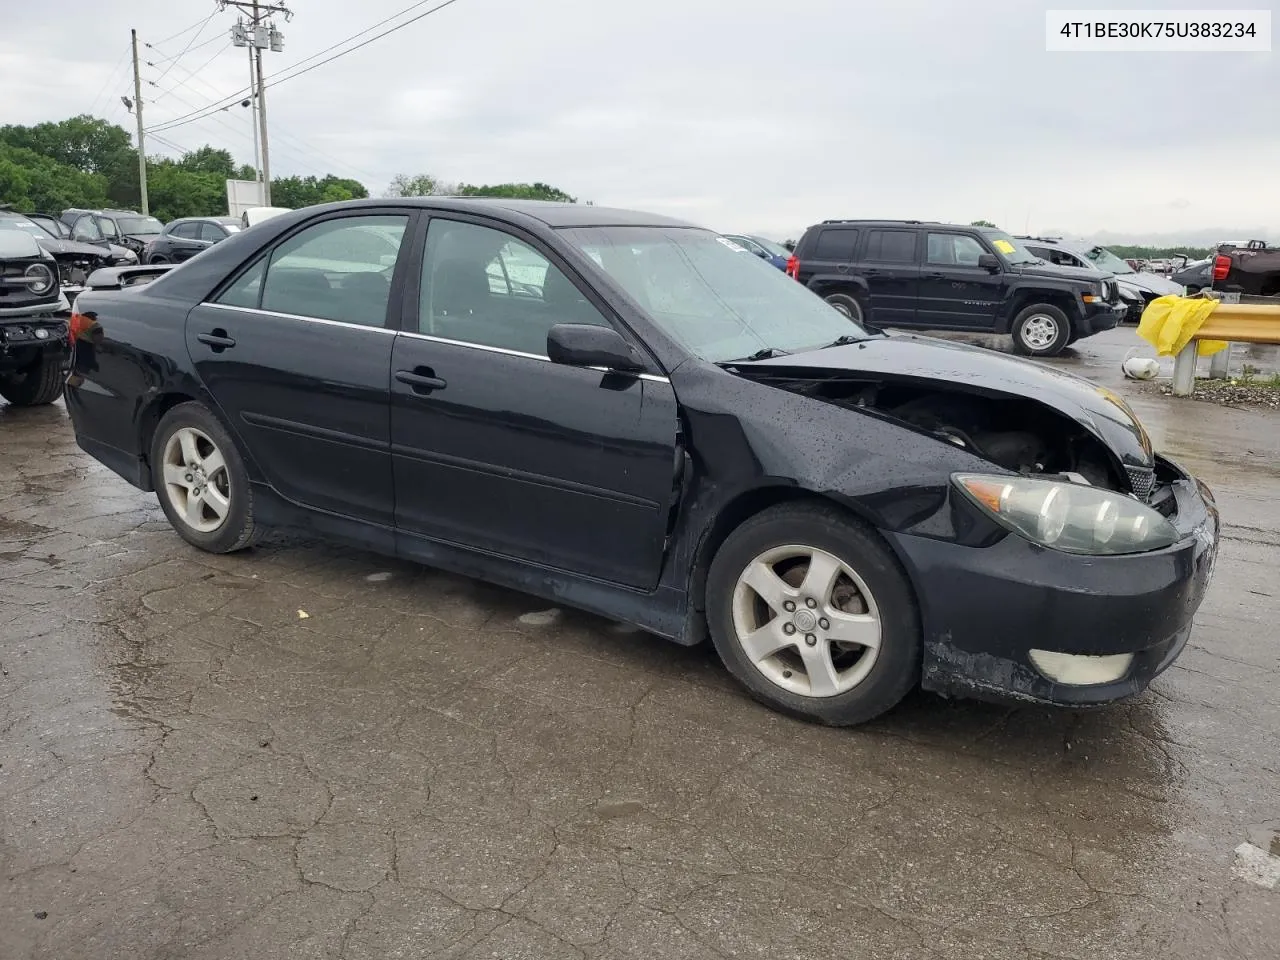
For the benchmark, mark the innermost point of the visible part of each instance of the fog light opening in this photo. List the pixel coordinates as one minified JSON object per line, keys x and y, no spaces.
{"x":1080,"y":670}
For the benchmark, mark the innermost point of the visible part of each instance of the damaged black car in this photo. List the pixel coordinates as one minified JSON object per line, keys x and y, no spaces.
{"x":631,"y":415}
{"x":34,"y":345}
{"x":76,"y":260}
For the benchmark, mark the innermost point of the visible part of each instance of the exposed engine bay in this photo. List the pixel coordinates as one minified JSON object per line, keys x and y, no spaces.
{"x":1016,"y":433}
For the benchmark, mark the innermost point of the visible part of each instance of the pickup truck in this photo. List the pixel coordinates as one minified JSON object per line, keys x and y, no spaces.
{"x":1252,"y":269}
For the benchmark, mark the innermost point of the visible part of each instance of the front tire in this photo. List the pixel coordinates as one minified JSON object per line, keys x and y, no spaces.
{"x":200,"y":480}
{"x":1041,"y":330}
{"x":157,"y":258}
{"x":36,"y":386}
{"x":812,"y":613}
{"x":849,"y":305}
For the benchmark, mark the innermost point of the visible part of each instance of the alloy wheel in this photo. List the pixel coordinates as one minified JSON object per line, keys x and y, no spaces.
{"x":196,"y":480}
{"x":806,"y":621}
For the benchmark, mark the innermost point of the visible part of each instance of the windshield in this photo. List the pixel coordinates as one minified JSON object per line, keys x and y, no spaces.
{"x":1104,"y":259}
{"x":26,"y":226}
{"x":139,"y":226}
{"x":1010,"y":249}
{"x":707,"y":293}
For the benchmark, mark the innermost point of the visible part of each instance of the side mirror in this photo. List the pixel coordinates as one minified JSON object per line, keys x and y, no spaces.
{"x":590,"y":345}
{"x":989,"y":261}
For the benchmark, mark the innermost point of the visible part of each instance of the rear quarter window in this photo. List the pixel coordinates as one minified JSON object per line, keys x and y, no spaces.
{"x":835,"y":243}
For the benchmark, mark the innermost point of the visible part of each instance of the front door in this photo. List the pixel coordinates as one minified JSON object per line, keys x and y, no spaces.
{"x":889,"y":266}
{"x":297,"y":353}
{"x":185,"y":242}
{"x":499,"y":449}
{"x":954,"y":291}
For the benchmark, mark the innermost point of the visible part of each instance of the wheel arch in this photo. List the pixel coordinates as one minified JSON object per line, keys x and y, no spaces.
{"x":748,"y":504}
{"x":1064,"y":300}
{"x":151,"y":415}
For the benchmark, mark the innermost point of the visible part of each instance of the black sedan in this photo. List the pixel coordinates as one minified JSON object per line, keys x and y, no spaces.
{"x":182,"y":239}
{"x":631,"y":415}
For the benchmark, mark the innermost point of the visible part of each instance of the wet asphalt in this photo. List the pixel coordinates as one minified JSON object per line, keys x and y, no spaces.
{"x":312,"y":752}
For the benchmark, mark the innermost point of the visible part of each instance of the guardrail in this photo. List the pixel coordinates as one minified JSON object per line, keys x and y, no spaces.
{"x":1232,"y":322}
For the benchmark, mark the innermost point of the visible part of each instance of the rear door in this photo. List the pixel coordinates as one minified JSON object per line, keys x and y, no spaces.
{"x":296,"y":351}
{"x":497,"y":448}
{"x":889,"y":264}
{"x":954,"y":291}
{"x":185,"y":242}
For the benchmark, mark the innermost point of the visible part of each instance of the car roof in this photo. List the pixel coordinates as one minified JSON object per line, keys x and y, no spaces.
{"x":551,"y":213}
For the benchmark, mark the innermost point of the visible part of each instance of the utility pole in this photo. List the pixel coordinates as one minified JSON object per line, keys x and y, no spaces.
{"x":258,"y":34}
{"x":137,"y":112}
{"x":253,"y":116}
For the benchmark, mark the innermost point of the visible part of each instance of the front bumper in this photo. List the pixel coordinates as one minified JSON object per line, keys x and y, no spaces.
{"x":985,"y":608}
{"x":1102,"y":316}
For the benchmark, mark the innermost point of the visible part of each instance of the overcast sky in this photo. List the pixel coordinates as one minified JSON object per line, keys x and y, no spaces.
{"x":738,"y":114}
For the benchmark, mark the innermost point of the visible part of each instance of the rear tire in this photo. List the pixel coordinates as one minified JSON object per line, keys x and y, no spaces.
{"x":158,"y":258}
{"x":1041,"y":330}
{"x":36,"y":386}
{"x":848,"y":304}
{"x":848,"y":649}
{"x":200,"y":480}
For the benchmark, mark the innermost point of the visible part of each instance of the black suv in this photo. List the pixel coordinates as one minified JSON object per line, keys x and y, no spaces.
{"x":940,"y":276}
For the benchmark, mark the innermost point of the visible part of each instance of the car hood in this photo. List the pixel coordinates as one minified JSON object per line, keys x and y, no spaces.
{"x":56,"y":247}
{"x":1061,"y":273}
{"x":925,"y":360}
{"x":1150,"y":283}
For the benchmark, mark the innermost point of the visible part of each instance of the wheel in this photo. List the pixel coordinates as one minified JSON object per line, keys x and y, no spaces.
{"x":848,"y":304}
{"x":157,"y":258}
{"x":37,"y":385}
{"x":1041,"y":330}
{"x":200,"y":479}
{"x":812,"y":613}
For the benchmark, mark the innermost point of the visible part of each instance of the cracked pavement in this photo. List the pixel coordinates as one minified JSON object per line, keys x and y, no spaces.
{"x":189,"y":768}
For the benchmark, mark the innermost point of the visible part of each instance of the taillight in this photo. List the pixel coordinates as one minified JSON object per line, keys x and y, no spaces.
{"x":80,"y":325}
{"x":793,"y":267}
{"x":1221,"y":267}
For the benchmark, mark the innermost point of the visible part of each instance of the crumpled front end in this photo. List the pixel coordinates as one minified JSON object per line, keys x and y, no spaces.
{"x":1104,"y":626}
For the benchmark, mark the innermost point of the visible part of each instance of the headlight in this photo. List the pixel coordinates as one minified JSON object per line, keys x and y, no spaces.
{"x":41,"y":278}
{"x":127,"y":257}
{"x":1130,"y":296}
{"x":1070,"y":517}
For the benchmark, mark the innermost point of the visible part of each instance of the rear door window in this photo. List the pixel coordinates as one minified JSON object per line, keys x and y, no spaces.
{"x":891,"y":246}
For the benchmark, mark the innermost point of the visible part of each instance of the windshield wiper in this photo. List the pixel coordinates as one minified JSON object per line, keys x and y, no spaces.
{"x":843,"y":341}
{"x":768,"y":353}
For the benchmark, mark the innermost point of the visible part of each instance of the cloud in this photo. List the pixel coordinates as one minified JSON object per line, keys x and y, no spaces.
{"x":752,"y":115}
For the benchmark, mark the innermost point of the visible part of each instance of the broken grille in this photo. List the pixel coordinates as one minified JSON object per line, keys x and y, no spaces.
{"x":1142,"y":480}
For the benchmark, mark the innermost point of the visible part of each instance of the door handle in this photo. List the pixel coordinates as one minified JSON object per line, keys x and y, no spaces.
{"x":422,"y":380}
{"x":936,"y":276}
{"x":218,"y":339}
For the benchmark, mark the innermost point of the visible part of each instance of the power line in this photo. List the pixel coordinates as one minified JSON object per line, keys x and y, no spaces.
{"x":279,"y":79}
{"x":196,"y":37}
{"x":111,"y":80}
{"x":298,"y":151}
{"x":198,"y":23}
{"x":198,"y":46}
{"x":191,"y":74}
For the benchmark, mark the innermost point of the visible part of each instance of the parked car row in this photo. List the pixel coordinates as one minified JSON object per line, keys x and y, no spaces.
{"x":633,"y":415}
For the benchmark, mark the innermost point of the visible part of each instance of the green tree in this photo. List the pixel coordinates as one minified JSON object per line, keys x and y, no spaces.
{"x":210,"y":160}
{"x":33,"y":182}
{"x":516,"y":191}
{"x":298,"y":192}
{"x":419,"y":185}
{"x":983,"y":223}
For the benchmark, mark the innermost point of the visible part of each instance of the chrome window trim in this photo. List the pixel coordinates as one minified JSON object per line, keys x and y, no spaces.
{"x":296,"y":316}
{"x":651,"y":377}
